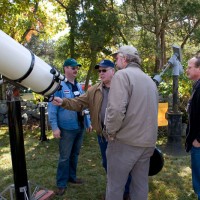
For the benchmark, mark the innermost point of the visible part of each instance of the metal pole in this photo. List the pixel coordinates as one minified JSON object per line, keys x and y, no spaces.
{"x":175,"y":94}
{"x":174,"y":115}
{"x":175,"y":120}
{"x":17,"y":145}
{"x":42,"y":121}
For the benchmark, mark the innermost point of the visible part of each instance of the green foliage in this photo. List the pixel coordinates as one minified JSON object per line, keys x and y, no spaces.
{"x":96,"y":28}
{"x":165,"y":89}
{"x":189,"y":8}
{"x":61,"y":51}
{"x":196,"y":36}
{"x":185,"y":85}
{"x":38,"y":98}
{"x":20,"y":18}
{"x":42,"y":48}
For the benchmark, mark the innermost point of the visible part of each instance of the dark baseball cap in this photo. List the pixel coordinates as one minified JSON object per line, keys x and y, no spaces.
{"x":71,"y":62}
{"x":105,"y":64}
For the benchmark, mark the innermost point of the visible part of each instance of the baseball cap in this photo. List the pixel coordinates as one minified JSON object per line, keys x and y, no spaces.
{"x":127,"y":50}
{"x":105,"y":64}
{"x":71,"y":62}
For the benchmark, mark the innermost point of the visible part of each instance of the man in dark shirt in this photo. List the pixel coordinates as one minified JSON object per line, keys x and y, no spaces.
{"x":193,"y":129}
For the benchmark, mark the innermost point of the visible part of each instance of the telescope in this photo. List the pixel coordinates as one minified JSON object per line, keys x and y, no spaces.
{"x":20,"y":66}
{"x":174,"y":62}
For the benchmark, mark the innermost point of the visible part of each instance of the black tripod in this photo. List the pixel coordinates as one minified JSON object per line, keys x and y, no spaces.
{"x":21,"y":187}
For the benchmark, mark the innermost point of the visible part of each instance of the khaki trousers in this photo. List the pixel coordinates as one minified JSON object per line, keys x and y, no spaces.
{"x":123,"y":159}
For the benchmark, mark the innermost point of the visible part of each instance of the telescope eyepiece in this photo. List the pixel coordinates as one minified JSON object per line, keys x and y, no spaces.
{"x":53,"y":71}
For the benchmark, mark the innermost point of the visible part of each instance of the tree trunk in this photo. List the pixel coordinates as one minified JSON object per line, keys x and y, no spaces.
{"x":92,"y":64}
{"x":163,"y":48}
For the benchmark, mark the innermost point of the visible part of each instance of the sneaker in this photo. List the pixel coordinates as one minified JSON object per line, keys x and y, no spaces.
{"x":78,"y":181}
{"x":59,"y":191}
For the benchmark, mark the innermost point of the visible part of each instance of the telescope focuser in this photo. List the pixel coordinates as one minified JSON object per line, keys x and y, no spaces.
{"x":57,"y":75}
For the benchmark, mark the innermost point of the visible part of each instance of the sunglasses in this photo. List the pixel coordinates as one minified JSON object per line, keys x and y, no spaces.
{"x":103,"y":70}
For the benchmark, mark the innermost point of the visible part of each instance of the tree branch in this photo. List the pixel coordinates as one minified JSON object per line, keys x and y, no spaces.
{"x":65,"y":7}
{"x":189,"y":34}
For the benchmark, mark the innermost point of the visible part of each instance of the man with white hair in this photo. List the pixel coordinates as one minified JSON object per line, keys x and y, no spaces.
{"x":131,"y":126}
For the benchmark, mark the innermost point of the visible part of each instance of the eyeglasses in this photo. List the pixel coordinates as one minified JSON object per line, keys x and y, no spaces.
{"x":103,"y":70}
{"x":74,"y":68}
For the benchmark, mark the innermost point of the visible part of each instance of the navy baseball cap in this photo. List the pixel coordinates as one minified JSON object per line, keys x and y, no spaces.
{"x":71,"y":62}
{"x":105,"y":64}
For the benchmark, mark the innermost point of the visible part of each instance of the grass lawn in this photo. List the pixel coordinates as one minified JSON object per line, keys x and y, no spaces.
{"x":172,"y":183}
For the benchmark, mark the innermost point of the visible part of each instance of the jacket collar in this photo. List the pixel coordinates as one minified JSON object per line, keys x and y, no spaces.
{"x":133,"y":64}
{"x":100,"y":86}
{"x":196,"y":85}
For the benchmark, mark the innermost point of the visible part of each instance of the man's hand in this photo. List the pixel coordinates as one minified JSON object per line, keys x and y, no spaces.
{"x":196,"y":143}
{"x":111,"y":137}
{"x":57,"y":101}
{"x":56,"y":133}
{"x":89,"y":129}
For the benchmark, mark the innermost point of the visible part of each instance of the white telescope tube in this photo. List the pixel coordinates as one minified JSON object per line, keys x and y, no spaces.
{"x":23,"y":67}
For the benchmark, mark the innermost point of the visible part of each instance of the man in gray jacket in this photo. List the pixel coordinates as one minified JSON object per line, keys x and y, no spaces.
{"x":131,"y":126}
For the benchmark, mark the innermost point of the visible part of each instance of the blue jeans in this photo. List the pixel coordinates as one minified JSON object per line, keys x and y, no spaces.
{"x":103,"y":146}
{"x":69,"y":148}
{"x":195,"y":165}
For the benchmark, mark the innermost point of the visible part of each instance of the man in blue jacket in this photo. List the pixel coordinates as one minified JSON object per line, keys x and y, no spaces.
{"x":68,"y":126}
